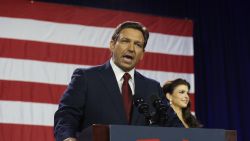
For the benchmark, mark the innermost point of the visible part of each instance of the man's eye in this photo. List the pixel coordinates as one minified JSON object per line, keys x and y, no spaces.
{"x":124,"y":40}
{"x":139,"y":45}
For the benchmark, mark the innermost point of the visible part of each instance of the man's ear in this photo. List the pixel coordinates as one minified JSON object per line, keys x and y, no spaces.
{"x":111,"y":45}
{"x":142,"y":56}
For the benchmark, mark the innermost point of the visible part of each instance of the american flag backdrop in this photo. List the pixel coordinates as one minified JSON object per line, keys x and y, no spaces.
{"x":42,"y":43}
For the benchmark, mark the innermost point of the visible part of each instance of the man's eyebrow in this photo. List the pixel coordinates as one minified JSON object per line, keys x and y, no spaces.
{"x":139,"y":41}
{"x":136,"y":41}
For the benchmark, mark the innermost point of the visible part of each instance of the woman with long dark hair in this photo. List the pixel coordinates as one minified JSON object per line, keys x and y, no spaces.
{"x":176,"y":93}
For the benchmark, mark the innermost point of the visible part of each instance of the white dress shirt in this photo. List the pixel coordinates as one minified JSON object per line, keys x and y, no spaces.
{"x":119,"y":76}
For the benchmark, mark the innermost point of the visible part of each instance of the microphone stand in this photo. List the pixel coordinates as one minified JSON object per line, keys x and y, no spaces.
{"x":143,"y":108}
{"x":161,"y":110}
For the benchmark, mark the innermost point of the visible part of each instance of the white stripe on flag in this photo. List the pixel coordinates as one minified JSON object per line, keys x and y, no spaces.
{"x":73,"y":34}
{"x":59,"y":73}
{"x":162,"y":77}
{"x":27,"y":113}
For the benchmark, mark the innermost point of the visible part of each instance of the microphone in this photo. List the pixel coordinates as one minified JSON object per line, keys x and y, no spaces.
{"x":143,"y":108}
{"x":161,"y":110}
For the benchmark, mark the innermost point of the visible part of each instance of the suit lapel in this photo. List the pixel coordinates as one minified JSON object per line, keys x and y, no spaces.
{"x":140,"y":91}
{"x":139,"y":85}
{"x":109,"y":80}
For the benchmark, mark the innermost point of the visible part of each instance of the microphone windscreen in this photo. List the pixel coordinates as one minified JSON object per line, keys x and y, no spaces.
{"x":138,"y":100}
{"x":154,"y":98}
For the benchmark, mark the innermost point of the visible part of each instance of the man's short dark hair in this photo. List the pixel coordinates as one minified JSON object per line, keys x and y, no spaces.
{"x":134,"y":25}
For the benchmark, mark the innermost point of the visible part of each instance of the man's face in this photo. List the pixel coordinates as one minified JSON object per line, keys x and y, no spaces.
{"x":128,"y":50}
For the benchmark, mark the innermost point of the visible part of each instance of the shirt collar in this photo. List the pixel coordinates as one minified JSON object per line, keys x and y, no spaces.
{"x":119,"y":72}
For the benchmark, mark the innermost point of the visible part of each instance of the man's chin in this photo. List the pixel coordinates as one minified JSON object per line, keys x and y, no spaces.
{"x":127,"y":67}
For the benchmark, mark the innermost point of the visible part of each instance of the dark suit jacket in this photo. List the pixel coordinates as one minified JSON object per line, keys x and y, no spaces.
{"x":93,"y":97}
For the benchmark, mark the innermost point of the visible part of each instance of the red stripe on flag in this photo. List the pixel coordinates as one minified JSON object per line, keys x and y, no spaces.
{"x":16,"y":132}
{"x":163,"y":62}
{"x":38,"y":92}
{"x":191,"y":96}
{"x":30,"y":92}
{"x":70,"y":54}
{"x":99,"y":17}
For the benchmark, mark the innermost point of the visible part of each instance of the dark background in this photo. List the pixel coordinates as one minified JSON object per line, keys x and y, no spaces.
{"x":221,"y":51}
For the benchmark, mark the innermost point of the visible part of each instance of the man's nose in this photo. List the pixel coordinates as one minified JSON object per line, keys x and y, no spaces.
{"x":131,"y":46}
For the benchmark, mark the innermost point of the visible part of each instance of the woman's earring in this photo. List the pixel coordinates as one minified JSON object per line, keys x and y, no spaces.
{"x":170,"y":102}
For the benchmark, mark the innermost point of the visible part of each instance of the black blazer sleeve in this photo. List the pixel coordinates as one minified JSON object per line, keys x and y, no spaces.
{"x":68,"y":117}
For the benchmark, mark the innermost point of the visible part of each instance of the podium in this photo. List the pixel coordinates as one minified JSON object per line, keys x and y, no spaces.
{"x":148,"y":133}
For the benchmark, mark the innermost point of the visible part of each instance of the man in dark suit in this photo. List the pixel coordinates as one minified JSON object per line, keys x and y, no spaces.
{"x":96,"y":95}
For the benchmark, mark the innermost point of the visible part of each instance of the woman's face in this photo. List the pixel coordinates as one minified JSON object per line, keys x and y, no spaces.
{"x":180,"y":96}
